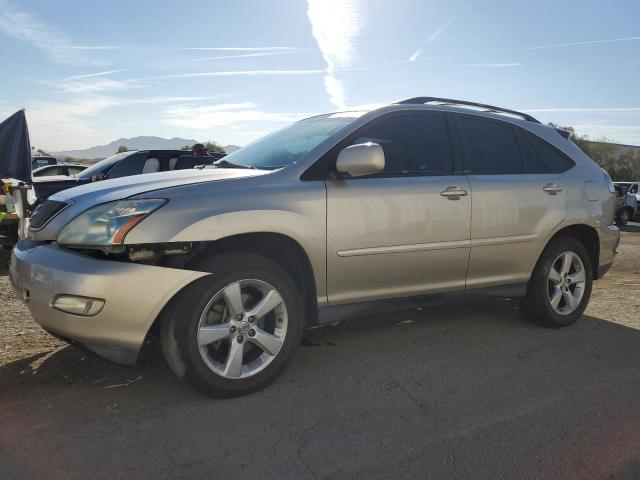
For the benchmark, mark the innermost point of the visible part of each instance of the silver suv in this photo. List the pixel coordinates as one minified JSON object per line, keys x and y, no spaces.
{"x":230,"y":263}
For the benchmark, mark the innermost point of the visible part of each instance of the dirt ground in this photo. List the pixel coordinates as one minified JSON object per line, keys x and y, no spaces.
{"x":464,"y":390}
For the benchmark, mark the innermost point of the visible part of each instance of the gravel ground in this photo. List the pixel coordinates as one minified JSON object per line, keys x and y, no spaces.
{"x":464,"y":390}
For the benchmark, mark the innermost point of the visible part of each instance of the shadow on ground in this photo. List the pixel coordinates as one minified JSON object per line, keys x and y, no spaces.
{"x":463,"y":390}
{"x":630,"y":227}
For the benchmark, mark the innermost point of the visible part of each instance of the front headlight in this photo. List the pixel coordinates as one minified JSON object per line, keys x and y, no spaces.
{"x":109,"y":223}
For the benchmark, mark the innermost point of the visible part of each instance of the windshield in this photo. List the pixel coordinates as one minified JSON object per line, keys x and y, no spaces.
{"x":623,"y":185}
{"x":286,"y":146}
{"x":103,"y":166}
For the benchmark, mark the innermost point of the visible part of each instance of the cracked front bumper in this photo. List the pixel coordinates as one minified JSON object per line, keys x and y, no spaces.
{"x":134,"y":295}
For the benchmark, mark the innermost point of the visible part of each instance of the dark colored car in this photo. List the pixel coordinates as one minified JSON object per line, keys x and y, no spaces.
{"x":123,"y":165}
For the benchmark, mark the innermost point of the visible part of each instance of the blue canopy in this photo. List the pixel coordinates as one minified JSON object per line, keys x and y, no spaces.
{"x":15,"y":149}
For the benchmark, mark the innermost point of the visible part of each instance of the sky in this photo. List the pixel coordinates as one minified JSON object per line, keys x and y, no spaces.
{"x":88,"y":73}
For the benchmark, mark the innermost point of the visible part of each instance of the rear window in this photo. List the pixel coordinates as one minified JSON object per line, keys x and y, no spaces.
{"x":533,"y":161}
{"x":492,"y":147}
{"x":556,"y":161}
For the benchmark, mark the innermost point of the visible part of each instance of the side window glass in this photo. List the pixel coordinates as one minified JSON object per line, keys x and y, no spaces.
{"x":533,"y":162}
{"x":634,"y":189}
{"x":555,"y":161}
{"x":415,"y":144}
{"x":52,"y":171}
{"x":131,"y":165}
{"x":492,"y":147}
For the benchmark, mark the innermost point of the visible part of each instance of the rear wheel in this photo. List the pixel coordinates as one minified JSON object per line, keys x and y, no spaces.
{"x":560,"y":287}
{"x":234,"y":332}
{"x":624,"y":217}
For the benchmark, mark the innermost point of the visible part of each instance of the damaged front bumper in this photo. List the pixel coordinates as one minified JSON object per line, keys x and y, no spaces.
{"x":133,"y":294}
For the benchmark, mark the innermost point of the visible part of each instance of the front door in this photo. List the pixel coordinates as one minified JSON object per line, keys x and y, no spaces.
{"x":406,"y":230}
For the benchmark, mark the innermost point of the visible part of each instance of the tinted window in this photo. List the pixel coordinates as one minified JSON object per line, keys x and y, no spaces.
{"x":412,"y":144}
{"x":492,"y":147}
{"x":104,"y":166}
{"x":555,"y":161}
{"x":131,"y":165}
{"x":533,"y":162}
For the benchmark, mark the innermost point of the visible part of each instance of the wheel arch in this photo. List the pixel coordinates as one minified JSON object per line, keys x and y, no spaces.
{"x":282,"y":249}
{"x":585,"y":234}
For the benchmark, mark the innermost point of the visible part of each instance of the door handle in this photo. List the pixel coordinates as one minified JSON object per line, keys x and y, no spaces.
{"x":453,"y":192}
{"x":552,"y":188}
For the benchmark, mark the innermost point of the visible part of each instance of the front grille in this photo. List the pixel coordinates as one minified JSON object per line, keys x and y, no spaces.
{"x":45,"y":212}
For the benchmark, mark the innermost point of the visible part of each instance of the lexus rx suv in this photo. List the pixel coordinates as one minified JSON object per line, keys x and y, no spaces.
{"x":231,"y":262}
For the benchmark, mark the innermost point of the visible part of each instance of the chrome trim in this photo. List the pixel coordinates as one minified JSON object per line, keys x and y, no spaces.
{"x":420,"y":247}
{"x":417,"y":247}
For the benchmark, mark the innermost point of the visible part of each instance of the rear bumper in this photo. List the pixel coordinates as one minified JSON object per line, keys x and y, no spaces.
{"x":609,"y":240}
{"x":134,"y":295}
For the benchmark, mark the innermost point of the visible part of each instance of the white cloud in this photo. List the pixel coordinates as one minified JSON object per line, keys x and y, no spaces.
{"x":96,"y":85}
{"x":208,"y":116}
{"x":241,"y":49}
{"x":441,"y":29}
{"x":248,"y":55}
{"x":493,"y":65}
{"x":233,"y":73}
{"x":61,"y":124}
{"x":414,"y":56}
{"x":27,"y":28}
{"x":97,"y":74}
{"x":335,"y":24}
{"x":588,"y":42}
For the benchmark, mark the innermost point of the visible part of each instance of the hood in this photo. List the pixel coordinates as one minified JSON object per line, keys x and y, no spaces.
{"x":86,"y":196}
{"x":118,"y":188}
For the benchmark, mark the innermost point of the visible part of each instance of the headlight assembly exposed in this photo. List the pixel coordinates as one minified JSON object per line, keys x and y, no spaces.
{"x":109,"y":223}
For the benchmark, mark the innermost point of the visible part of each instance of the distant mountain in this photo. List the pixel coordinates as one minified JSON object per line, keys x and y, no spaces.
{"x":135,"y":143}
{"x":231,"y":148}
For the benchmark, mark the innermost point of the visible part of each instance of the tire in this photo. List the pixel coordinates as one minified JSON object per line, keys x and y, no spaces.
{"x":542,"y":289}
{"x":624,"y":217}
{"x":207,"y":310}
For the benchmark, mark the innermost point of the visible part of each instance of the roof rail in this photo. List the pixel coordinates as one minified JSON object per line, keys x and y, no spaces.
{"x":449,"y":101}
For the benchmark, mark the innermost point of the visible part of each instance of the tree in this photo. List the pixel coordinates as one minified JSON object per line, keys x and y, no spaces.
{"x":210,"y":146}
{"x":122,"y":149}
{"x":214,"y":147}
{"x":621,"y":163}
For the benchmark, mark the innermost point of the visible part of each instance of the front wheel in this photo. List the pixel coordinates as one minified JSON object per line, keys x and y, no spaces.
{"x":560,"y":287}
{"x":233,"y":332}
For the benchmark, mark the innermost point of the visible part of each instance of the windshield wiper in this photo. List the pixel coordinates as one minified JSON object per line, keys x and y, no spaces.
{"x":222,"y":163}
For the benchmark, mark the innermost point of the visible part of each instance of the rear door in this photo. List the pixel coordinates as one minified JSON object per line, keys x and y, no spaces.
{"x":517,"y":200}
{"x":400,"y":232}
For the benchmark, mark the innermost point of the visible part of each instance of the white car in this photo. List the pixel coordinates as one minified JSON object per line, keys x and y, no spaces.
{"x":632,"y":188}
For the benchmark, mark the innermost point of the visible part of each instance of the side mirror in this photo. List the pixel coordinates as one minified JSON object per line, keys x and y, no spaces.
{"x":98,"y":177}
{"x":361,"y":159}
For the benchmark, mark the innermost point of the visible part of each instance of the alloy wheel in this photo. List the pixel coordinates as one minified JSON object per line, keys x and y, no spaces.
{"x":242,"y":328}
{"x":566,"y":283}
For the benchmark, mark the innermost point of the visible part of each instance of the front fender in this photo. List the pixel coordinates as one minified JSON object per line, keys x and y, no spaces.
{"x":197,"y":214}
